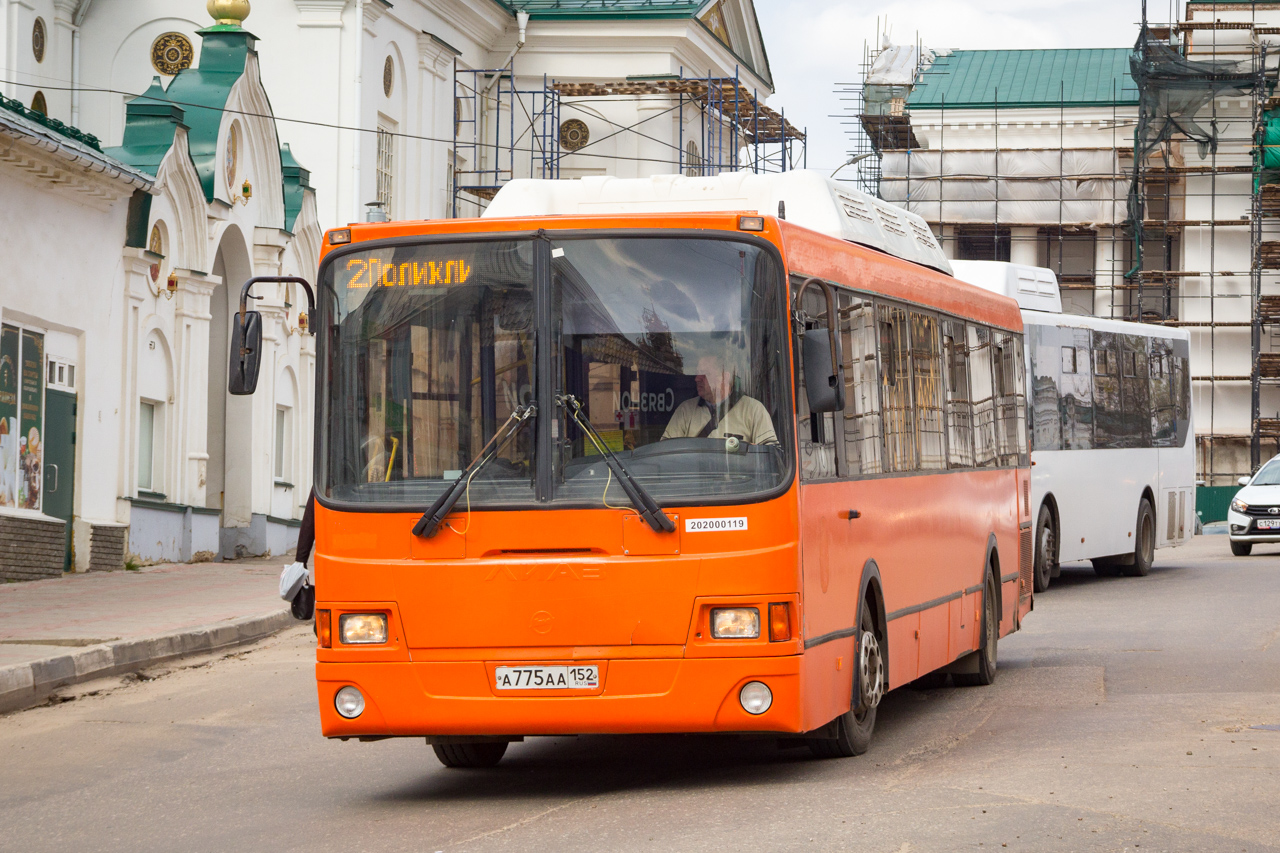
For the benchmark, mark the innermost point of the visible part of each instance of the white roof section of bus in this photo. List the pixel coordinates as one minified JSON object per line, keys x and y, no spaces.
{"x":1103,"y":324}
{"x":1035,"y":288}
{"x":812,"y":200}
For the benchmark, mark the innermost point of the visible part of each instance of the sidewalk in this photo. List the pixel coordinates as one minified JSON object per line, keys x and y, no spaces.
{"x":82,"y":626}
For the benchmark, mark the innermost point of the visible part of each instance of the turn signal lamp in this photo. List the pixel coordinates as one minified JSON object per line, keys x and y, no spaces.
{"x":339,"y":236}
{"x":750,"y":223}
{"x":324,"y":628}
{"x":362,"y":628}
{"x":779,"y":623}
{"x":735,"y":623}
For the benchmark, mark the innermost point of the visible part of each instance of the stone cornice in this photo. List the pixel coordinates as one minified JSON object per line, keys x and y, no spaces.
{"x":320,"y":13}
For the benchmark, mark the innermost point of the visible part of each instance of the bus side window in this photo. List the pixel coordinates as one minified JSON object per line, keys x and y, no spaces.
{"x":1050,"y":363}
{"x":862,"y":448}
{"x":1135,"y":391}
{"x":983,"y":395}
{"x":1011,"y":412}
{"x":895,"y":389}
{"x":959,"y":406}
{"x":1164,"y":415}
{"x":816,"y":431}
{"x":1108,"y":428}
{"x":927,"y":388}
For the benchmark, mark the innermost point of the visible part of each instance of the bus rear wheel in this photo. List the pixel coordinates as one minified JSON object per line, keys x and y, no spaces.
{"x":1046,"y":550}
{"x":986,"y":673}
{"x":1144,"y":549}
{"x":483,"y":754}
{"x":854,"y":727}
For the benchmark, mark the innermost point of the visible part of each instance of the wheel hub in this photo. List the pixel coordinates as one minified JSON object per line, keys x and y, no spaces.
{"x":870,"y":670}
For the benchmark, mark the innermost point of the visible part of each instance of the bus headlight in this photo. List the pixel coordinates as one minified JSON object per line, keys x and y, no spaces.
{"x":362,"y":628}
{"x":1239,"y":505}
{"x":349,"y":702}
{"x":756,"y":697}
{"x":735,"y":623}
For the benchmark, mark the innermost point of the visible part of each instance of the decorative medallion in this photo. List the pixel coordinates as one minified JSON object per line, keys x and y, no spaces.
{"x":574,"y":134}
{"x":38,"y":39}
{"x":39,"y":105}
{"x":171,"y":53}
{"x":232,"y":154}
{"x":156,"y":245}
{"x":388,"y":76}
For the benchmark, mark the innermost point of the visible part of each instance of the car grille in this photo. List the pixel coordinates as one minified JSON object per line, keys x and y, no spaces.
{"x":1263,"y":512}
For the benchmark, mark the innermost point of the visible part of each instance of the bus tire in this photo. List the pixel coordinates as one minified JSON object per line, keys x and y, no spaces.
{"x":1242,"y":549}
{"x":484,"y":754}
{"x":1046,"y":559}
{"x":986,"y":653}
{"x":1144,"y":546}
{"x":854,"y":727}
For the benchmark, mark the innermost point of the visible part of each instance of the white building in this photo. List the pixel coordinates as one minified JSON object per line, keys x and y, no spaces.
{"x":382,"y":101}
{"x":122,"y":424}
{"x":1028,"y":155}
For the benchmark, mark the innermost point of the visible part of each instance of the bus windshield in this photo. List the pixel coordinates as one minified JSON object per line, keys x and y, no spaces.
{"x":672,"y":346}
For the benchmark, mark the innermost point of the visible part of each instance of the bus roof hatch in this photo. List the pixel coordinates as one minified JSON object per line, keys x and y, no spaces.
{"x":811,"y":199}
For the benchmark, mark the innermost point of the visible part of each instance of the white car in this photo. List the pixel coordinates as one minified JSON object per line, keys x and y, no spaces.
{"x":1255,"y":510}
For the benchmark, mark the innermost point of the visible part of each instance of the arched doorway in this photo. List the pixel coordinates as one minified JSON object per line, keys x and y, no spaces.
{"x":228,"y":480}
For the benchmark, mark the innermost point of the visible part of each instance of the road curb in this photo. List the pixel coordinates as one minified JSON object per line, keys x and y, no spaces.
{"x":25,"y":684}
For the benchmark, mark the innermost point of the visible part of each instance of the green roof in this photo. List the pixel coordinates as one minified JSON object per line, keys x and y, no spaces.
{"x":15,"y":106}
{"x":966,"y":79}
{"x":606,"y":8}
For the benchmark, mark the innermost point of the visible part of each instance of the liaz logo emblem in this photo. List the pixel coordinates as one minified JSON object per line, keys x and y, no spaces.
{"x":553,"y":572}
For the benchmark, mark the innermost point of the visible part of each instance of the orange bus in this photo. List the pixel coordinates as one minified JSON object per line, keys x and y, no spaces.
{"x":632,"y":472}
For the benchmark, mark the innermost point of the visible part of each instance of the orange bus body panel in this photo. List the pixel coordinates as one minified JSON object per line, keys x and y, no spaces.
{"x":597,"y":586}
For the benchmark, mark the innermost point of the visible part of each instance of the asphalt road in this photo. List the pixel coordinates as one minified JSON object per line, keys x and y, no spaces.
{"x":1123,"y":718}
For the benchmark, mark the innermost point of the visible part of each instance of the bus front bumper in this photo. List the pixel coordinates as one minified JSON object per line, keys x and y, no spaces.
{"x":635,"y":696}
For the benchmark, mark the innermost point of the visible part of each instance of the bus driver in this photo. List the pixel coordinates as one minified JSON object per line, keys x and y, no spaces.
{"x":720,"y":410}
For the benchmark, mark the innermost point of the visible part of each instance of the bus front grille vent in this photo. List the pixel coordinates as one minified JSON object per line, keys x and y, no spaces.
{"x":1025,"y":562}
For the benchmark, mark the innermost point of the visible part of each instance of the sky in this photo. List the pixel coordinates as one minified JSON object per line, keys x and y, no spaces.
{"x":814,"y":45}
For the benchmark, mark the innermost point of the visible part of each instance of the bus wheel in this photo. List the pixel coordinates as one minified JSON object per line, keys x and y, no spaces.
{"x":854,"y":727}
{"x":484,"y":754}
{"x":1046,"y":549}
{"x":1144,"y":550}
{"x":990,"y":636}
{"x":1242,"y":549}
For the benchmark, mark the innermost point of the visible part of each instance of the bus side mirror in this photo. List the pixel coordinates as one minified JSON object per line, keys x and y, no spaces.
{"x":821,"y":382}
{"x":246,"y":353}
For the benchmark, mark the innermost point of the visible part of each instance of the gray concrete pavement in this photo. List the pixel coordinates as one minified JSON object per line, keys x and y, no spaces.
{"x":1122,"y":719}
{"x":67,"y":630}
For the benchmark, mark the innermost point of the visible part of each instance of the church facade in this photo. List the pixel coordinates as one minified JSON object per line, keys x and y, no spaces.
{"x":189,"y":137}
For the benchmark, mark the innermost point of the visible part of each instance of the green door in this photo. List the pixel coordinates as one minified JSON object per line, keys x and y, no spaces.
{"x":60,"y":459}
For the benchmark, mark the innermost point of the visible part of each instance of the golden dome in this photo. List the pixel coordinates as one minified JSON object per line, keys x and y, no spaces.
{"x":229,"y":12}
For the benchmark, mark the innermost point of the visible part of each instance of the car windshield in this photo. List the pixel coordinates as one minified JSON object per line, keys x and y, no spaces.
{"x":673,"y":348}
{"x":1269,"y":475}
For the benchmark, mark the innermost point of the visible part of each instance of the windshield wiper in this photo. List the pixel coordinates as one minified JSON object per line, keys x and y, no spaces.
{"x":644,"y":503}
{"x":435,"y":516}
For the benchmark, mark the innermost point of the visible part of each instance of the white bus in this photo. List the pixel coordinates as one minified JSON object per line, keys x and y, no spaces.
{"x":1113,"y":463}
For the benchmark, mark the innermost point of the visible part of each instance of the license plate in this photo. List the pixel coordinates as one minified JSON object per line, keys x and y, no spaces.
{"x":1269,"y":524}
{"x":547,"y":677}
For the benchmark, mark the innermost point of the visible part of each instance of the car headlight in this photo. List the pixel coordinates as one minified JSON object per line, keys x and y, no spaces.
{"x":735,"y":623}
{"x":1238,"y":505}
{"x":362,"y":628}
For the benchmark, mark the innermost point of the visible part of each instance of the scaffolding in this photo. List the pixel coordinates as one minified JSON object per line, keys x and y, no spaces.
{"x":1166,"y":211}
{"x":503,"y":132}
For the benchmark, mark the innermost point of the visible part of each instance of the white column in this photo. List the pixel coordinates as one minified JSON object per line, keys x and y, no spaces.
{"x":1024,"y":246}
{"x":191,"y":329}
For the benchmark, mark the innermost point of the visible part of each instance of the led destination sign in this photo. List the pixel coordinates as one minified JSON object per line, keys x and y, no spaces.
{"x":362,"y":273}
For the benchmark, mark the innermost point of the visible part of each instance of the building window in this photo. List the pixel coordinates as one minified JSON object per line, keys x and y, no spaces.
{"x":1071,"y":255}
{"x":386,"y":167}
{"x":692,"y":160}
{"x":988,"y":244}
{"x":283,"y":445}
{"x":146,"y":446}
{"x":21,"y":417}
